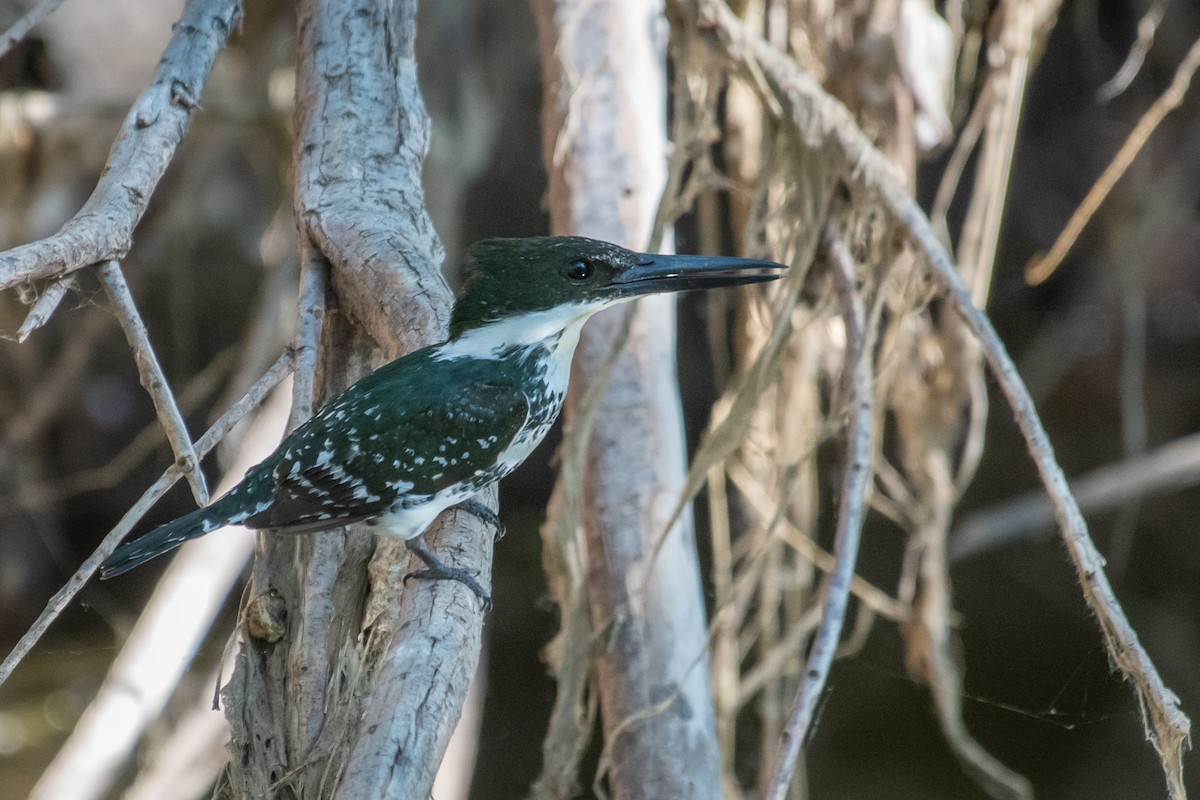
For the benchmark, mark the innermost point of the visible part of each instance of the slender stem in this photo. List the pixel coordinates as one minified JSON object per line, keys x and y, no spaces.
{"x":150,"y":373}
{"x":857,"y":375}
{"x":1171,"y":99}
{"x":45,"y":305}
{"x":814,"y":113}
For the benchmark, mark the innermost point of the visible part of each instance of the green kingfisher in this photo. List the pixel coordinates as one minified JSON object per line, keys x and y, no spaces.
{"x":432,"y":428}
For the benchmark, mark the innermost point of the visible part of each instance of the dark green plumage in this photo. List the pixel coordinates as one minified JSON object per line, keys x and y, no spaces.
{"x":411,"y":429}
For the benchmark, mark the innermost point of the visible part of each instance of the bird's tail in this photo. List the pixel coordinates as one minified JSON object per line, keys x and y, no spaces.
{"x":167,"y":537}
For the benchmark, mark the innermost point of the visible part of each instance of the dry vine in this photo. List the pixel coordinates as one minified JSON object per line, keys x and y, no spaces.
{"x":921,"y":491}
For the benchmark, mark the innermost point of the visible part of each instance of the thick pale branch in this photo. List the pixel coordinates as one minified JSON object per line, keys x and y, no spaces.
{"x":153,"y":128}
{"x":207,"y":442}
{"x":357,"y":694}
{"x":604,"y":145}
{"x":361,"y":134}
{"x":153,"y":380}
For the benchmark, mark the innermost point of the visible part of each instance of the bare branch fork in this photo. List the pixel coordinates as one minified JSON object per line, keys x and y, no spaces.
{"x":159,"y":648}
{"x":41,"y":309}
{"x":368,"y":239}
{"x":101,"y":232}
{"x":826,"y":123}
{"x":103,"y":229}
{"x":358,"y":694}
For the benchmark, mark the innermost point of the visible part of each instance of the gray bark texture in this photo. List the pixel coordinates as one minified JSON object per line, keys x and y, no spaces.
{"x":604,"y":144}
{"x":349,"y":683}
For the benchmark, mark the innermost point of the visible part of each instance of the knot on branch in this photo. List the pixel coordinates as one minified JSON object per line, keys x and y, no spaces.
{"x":266,"y":617}
{"x":182,"y":96}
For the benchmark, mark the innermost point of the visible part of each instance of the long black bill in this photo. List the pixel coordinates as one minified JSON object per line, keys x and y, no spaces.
{"x":659,"y":273}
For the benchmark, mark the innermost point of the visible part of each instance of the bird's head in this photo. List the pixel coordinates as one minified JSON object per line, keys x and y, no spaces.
{"x":569,"y":277}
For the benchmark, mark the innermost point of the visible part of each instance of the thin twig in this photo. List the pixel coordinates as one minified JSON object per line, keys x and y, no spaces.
{"x":153,"y":128}
{"x":1044,"y":267}
{"x":150,"y":373}
{"x":207,"y":442}
{"x":164,"y":641}
{"x":757,"y":501}
{"x":1168,"y":727}
{"x":858,"y":376}
{"x":39,"y":313}
{"x":773,"y":659}
{"x":961,"y":155}
{"x":1147,"y":28}
{"x":981,"y":228}
{"x":21,"y":28}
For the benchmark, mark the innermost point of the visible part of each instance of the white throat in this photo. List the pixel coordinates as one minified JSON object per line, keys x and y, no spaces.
{"x":557,"y":328}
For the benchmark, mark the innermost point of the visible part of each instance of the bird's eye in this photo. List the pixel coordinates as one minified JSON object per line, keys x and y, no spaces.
{"x":580,"y":269}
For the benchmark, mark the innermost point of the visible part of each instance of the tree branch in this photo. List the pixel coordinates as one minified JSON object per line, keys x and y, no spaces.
{"x":45,"y":306}
{"x":21,"y":28}
{"x":62,"y":598}
{"x":857,"y":379}
{"x":152,"y":378}
{"x":356,"y":693}
{"x":1175,"y":465}
{"x":103,"y":229}
{"x":1042,"y":268}
{"x":162,"y":643}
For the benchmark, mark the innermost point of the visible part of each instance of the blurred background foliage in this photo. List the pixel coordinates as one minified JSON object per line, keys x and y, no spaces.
{"x":1109,"y":348}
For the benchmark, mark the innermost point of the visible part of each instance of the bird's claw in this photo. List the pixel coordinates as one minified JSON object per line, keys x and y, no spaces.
{"x":484,"y":514}
{"x":436,"y":570}
{"x":464,"y":576}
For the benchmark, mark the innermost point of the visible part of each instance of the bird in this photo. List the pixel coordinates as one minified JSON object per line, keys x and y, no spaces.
{"x":431,"y":429}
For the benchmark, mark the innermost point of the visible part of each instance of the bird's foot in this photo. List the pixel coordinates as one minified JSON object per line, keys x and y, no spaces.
{"x":436,"y":570}
{"x":482,"y":512}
